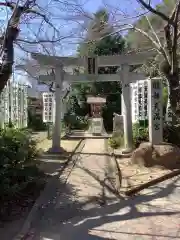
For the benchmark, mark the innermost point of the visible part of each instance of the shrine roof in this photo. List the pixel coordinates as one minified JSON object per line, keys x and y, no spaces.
{"x":98,"y":99}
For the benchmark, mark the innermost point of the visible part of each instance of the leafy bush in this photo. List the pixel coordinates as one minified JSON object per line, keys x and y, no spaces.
{"x":73,"y":121}
{"x":140,"y":134}
{"x":116,"y":141}
{"x":171,"y":134}
{"x":17,"y":168}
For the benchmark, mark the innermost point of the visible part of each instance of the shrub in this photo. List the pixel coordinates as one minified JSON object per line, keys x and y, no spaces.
{"x":171,"y":134}
{"x":116,"y":141}
{"x":17,"y":168}
{"x":73,"y":121}
{"x":140,"y":134}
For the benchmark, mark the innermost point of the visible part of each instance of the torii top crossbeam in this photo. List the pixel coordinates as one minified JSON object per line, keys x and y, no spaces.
{"x":114,"y":60}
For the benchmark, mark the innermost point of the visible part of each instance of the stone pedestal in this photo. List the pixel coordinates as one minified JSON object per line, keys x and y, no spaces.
{"x":97,"y":126}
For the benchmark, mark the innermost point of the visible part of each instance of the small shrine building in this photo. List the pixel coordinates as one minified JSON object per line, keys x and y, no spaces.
{"x":96,"y":105}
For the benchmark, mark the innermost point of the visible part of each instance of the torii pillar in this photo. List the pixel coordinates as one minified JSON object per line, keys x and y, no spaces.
{"x":126,"y":108}
{"x":56,"y":137}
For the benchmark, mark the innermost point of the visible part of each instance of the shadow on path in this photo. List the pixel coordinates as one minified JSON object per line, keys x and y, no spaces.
{"x":79,"y":223}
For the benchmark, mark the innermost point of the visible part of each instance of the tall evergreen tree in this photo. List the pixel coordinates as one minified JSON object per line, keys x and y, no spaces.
{"x":109,"y":44}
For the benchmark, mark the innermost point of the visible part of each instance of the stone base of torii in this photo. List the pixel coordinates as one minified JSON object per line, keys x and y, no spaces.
{"x":124,"y":76}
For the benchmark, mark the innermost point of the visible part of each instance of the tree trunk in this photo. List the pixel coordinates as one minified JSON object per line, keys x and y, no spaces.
{"x":7,"y":56}
{"x":174,"y":96}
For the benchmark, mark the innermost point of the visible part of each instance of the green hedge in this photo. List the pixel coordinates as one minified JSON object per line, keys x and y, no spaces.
{"x":72,"y":121}
{"x":116,"y":141}
{"x":140,"y":134}
{"x":17,"y":165}
{"x":171,"y":134}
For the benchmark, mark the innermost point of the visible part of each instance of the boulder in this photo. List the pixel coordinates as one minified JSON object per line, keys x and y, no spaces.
{"x":143,"y":155}
{"x":165,"y":155}
{"x":168,"y":156}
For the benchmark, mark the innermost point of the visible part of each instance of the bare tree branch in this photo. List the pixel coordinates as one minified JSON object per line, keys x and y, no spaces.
{"x":153,"y":10}
{"x":162,"y":49}
{"x":26,"y":11}
{"x":155,"y":43}
{"x":38,"y":41}
{"x":153,"y":31}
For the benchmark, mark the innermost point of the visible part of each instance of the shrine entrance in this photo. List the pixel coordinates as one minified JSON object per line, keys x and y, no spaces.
{"x":90,"y":74}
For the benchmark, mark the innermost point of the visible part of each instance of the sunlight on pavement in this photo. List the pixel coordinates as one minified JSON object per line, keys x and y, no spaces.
{"x":44,"y":238}
{"x":85,"y":220}
{"x":67,"y":145}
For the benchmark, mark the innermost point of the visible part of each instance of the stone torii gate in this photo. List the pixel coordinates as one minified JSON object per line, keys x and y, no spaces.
{"x":91,"y":64}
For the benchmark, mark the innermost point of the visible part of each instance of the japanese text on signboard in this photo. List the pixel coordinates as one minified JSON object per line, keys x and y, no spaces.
{"x":48,"y":105}
{"x":156,"y":108}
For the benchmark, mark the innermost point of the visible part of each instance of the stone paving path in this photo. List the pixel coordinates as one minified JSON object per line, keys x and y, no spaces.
{"x":39,"y":136}
{"x":86,"y":187}
{"x":153,"y":215}
{"x":87,"y":206}
{"x":89,"y":175}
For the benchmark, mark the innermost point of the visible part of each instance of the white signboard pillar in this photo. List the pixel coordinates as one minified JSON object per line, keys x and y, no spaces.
{"x":134,"y":102}
{"x":169,"y":114}
{"x":48,"y":107}
{"x":126,"y":108}
{"x":155,"y":111}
